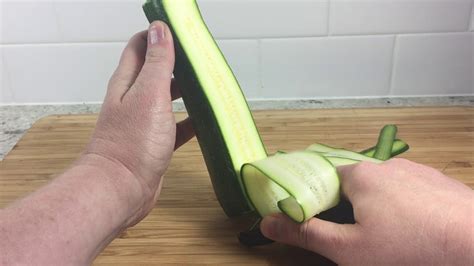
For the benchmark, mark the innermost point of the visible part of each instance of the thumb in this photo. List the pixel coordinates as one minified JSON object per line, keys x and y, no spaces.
{"x":323,"y":237}
{"x":155,"y":75}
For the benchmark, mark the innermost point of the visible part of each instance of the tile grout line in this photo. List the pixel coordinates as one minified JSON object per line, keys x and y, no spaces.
{"x":365,"y":35}
{"x":56,"y":18}
{"x":393,"y":64}
{"x":362,"y":35}
{"x":328,"y":28}
{"x":471,"y":21}
{"x":260,"y":68}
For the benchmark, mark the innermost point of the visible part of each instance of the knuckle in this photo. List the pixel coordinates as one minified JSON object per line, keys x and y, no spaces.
{"x":338,"y":245}
{"x":114,"y":79}
{"x":331,"y":241}
{"x":122,"y":78}
{"x":139,"y":35}
{"x":363,"y":166}
{"x":362,"y":175}
{"x":139,"y":84}
{"x":158,"y":56}
{"x":396,"y":165}
{"x":303,"y":238}
{"x":361,"y":169}
{"x":336,"y":241}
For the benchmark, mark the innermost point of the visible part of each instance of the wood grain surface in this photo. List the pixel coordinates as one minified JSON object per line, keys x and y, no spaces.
{"x":187,"y":225}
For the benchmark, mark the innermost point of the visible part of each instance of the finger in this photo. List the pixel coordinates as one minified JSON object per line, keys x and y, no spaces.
{"x":184,"y":132}
{"x":175,"y":90}
{"x":154,"y":79}
{"x":356,"y":179}
{"x":344,"y":173}
{"x":323,"y":237}
{"x":130,"y":64}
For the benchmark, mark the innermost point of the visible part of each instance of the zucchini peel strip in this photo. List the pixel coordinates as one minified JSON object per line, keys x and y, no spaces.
{"x":300,"y":184}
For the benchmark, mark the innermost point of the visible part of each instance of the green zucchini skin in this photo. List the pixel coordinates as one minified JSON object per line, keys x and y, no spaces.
{"x":399,"y":147}
{"x":383,"y":149}
{"x":225,"y":179}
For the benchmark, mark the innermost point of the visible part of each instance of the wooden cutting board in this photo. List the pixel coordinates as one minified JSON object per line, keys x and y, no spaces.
{"x":187,"y":225}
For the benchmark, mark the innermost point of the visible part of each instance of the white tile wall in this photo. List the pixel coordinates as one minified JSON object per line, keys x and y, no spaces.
{"x":400,"y":16}
{"x":243,"y":58}
{"x":65,"y":50}
{"x":472,"y":17}
{"x":434,"y":64}
{"x":265,"y":18}
{"x":85,"y":21}
{"x":99,"y":20}
{"x":60,"y":72}
{"x":327,"y":67}
{"x":28,"y":21}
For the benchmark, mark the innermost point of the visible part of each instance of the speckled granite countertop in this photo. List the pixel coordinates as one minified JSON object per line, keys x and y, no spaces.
{"x":16,"y":120}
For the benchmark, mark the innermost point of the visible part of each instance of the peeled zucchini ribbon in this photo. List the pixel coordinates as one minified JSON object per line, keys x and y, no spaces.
{"x":299,"y":184}
{"x":305,"y":183}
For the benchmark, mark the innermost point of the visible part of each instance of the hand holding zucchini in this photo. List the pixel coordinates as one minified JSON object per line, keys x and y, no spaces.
{"x":300,"y":184}
{"x":305,"y":183}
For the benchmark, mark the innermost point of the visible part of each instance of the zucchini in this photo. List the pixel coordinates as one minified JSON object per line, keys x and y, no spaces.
{"x":300,"y":184}
{"x":221,"y":118}
{"x":334,"y":153}
{"x":399,"y":147}
{"x":340,"y":161}
{"x":318,"y":147}
{"x":383,"y":149}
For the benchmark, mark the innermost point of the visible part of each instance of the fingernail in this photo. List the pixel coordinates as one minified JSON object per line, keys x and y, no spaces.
{"x":270,"y":227}
{"x":156,"y":33}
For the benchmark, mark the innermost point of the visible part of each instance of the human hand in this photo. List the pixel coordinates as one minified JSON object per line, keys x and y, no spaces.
{"x":136,"y":132}
{"x":116,"y":181}
{"x":406,"y":214}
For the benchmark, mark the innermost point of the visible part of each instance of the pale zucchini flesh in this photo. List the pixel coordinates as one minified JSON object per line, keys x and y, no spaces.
{"x":292,"y":208}
{"x":352,"y":155}
{"x":220,"y":115}
{"x":218,"y":82}
{"x":300,"y":184}
{"x":339,"y":161}
{"x":328,"y":151}
{"x":318,"y":147}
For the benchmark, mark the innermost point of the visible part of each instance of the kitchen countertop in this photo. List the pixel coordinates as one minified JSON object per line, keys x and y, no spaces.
{"x":17,"y":119}
{"x":187,"y":226}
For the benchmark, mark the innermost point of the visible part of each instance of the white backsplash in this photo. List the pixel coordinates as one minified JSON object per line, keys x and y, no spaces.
{"x":55,"y":51}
